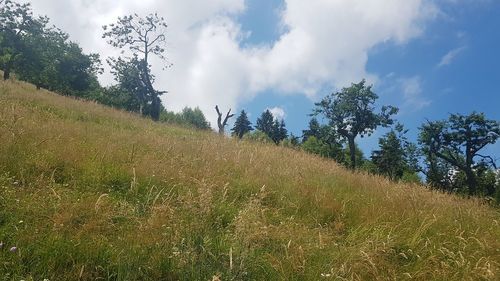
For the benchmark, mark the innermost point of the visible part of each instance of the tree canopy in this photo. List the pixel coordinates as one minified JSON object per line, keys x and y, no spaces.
{"x":459,"y":140}
{"x":351,"y":112}
{"x":242,"y":125}
{"x":144,"y":36}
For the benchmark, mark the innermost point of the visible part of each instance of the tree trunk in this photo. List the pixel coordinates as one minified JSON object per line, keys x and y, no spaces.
{"x":7,"y":69}
{"x":471,"y":181}
{"x":155,"y":108}
{"x":141,"y":108}
{"x":352,"y":152}
{"x":221,"y":130}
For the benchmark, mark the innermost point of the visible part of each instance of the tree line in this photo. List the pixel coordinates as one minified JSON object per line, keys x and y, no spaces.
{"x":45,"y":56}
{"x":448,"y":152}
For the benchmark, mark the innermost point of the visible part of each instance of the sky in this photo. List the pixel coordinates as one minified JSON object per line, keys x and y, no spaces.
{"x":427,"y":57}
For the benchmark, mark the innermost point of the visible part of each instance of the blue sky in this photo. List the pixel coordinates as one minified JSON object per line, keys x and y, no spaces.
{"x":464,"y":81}
{"x":427,"y":57}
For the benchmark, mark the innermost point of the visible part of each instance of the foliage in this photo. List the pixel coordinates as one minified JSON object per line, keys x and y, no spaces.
{"x":314,"y":130}
{"x":128,"y":73}
{"x":275,"y":129}
{"x":458,"y":141}
{"x":265,"y":123}
{"x":351,"y":113}
{"x":316,"y":146}
{"x":242,"y":125}
{"x":187,"y":117}
{"x":279,"y":132}
{"x":44,"y":55}
{"x":326,"y":142}
{"x":118,"y":97}
{"x":396,"y":156}
{"x":257,"y":136}
{"x":16,"y":23}
{"x":144,"y":36}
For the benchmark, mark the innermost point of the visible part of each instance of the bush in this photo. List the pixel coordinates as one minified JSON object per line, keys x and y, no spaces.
{"x":188,"y":117}
{"x":258,"y":136}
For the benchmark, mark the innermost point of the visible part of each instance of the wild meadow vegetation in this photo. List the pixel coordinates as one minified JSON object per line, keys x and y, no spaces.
{"x":92,"y":193}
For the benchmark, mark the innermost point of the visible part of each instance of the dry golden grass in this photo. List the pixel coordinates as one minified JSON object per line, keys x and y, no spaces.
{"x":91,"y":193}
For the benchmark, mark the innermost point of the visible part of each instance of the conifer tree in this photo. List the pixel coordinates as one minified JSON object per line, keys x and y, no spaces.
{"x":282,"y":131}
{"x":314,"y":130}
{"x":241,"y":126}
{"x":265,"y":123}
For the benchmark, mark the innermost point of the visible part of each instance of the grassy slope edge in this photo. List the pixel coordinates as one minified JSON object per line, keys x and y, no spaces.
{"x":91,"y":193}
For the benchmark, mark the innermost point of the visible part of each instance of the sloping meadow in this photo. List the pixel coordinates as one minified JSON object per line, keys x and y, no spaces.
{"x":92,"y":193}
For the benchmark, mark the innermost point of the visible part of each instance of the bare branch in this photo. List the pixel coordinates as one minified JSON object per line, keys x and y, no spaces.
{"x":222,"y":124}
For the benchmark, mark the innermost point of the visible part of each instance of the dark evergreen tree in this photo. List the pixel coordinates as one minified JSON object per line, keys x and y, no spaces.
{"x":265,"y":123}
{"x":314,"y":130}
{"x":241,"y":126}
{"x":390,"y":158}
{"x":282,"y":132}
{"x":275,"y":132}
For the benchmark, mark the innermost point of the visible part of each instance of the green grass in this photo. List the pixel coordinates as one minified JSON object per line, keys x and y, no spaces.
{"x":91,"y":193}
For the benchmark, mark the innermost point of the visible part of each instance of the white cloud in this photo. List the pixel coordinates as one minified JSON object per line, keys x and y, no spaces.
{"x":412,"y":94}
{"x":278,"y":113}
{"x":451,"y":56}
{"x":325,"y":43}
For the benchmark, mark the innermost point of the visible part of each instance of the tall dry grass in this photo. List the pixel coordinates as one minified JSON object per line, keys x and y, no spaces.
{"x":91,"y":193}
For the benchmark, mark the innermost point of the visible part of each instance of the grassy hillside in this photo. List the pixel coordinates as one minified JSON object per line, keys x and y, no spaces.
{"x":90,"y":193}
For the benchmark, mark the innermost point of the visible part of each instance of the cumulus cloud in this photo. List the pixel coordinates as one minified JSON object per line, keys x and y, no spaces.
{"x":451,"y":56}
{"x":278,"y":113}
{"x":323,"y":44}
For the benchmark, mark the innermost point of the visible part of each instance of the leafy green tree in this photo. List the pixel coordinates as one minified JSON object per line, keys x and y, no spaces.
{"x":49,"y":60}
{"x":351,"y":113}
{"x":117,"y":97}
{"x":195,"y":118}
{"x":315,"y":146}
{"x":38,"y":62}
{"x":76,"y":72}
{"x":439,"y":173}
{"x":487,"y":181}
{"x":242,"y":125}
{"x":188,"y":117}
{"x":459,"y":140}
{"x":144,"y":36}
{"x":16,"y":23}
{"x":131,"y":87}
{"x":265,"y":123}
{"x":325,"y":143}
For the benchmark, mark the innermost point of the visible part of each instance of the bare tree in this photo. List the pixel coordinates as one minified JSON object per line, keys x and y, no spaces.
{"x":222,"y":124}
